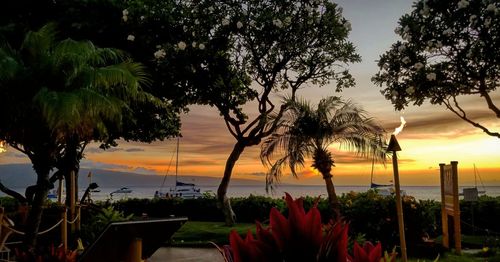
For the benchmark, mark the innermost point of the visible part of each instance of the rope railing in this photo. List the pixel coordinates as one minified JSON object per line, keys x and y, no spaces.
{"x":15,"y":231}
{"x":74,"y":220}
{"x":39,"y":233}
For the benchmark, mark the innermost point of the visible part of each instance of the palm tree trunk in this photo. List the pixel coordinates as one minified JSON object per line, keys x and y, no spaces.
{"x":223,"y":201}
{"x":70,"y":166}
{"x":332,"y":196}
{"x":35,"y":214}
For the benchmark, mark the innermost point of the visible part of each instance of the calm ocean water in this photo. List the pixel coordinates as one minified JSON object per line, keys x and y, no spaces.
{"x":419,"y":192}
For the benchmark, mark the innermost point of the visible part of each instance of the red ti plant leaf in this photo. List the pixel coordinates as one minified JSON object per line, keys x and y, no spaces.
{"x":298,"y":237}
{"x":334,"y":246}
{"x":367,"y":253}
{"x":250,"y":249}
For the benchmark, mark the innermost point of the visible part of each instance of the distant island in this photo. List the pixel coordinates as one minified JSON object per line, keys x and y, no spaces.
{"x":22,"y":175}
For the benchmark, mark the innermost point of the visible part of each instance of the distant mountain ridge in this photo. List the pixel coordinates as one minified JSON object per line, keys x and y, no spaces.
{"x":23,"y":175}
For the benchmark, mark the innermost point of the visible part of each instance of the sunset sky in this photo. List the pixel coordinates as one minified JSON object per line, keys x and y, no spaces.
{"x":432,"y":135}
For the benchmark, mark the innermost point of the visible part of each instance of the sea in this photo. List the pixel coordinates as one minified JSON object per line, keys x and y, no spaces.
{"x":419,"y":192}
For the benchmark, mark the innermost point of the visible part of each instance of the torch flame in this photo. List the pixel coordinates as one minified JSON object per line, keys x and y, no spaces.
{"x":2,"y":146}
{"x":400,"y":128}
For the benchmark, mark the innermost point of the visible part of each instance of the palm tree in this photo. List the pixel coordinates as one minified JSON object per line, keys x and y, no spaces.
{"x":305,"y":132}
{"x":61,"y":96}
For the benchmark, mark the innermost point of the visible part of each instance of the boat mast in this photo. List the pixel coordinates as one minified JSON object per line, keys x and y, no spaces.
{"x":176,"y":165}
{"x":373,"y":165}
{"x":475,"y":176}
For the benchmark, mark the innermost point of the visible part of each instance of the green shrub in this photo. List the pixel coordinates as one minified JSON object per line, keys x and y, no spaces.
{"x":96,"y":220}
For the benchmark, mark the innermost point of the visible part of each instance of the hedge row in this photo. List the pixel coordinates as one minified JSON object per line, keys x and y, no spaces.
{"x":370,"y":216}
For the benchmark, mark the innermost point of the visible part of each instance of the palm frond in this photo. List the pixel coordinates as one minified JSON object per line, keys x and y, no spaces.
{"x":38,"y":43}
{"x":306,"y":132}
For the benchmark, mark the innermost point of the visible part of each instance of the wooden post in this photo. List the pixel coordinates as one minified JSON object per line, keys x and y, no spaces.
{"x":399,"y":208}
{"x":444,"y":215}
{"x":135,"y":251}
{"x":60,"y":192}
{"x":64,"y":229}
{"x":394,"y":148}
{"x":450,"y":205}
{"x":72,"y":203}
{"x":79,"y":217}
{"x":456,"y":211}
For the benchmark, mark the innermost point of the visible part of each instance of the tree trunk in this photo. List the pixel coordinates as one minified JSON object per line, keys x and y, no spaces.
{"x":223,"y":201}
{"x":70,"y":165}
{"x":332,"y":196}
{"x":35,"y":214}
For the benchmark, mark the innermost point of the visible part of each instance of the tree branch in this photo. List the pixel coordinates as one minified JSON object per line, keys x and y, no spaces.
{"x":487,"y":97}
{"x":13,"y":194}
{"x":464,"y":117}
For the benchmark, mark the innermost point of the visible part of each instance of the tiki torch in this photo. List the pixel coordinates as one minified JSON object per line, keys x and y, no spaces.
{"x":3,"y":146}
{"x":394,"y":148}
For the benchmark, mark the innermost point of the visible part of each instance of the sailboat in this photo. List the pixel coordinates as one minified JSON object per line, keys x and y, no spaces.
{"x":382,"y":189}
{"x":471,"y":193}
{"x":180,"y":189}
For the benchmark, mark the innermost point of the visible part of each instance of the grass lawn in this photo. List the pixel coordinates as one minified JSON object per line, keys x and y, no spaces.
{"x":197,"y":233}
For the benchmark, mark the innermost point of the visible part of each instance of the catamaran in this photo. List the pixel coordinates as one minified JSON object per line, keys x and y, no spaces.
{"x":472,"y":193}
{"x":382,"y":189}
{"x":180,"y":189}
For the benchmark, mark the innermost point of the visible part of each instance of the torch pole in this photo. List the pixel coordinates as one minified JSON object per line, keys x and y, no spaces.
{"x":394,"y":147}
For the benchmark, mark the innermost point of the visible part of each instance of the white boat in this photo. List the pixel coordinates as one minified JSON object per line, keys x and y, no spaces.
{"x":123,"y":190}
{"x":383,"y":189}
{"x":180,"y":189}
{"x":472,"y":193}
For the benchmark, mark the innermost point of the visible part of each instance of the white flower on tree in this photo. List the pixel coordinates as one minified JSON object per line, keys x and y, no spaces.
{"x":131,"y":38}
{"x":201,"y":46}
{"x":448,"y":32}
{"x":194,"y":44}
{"x":277,"y":22}
{"x":406,"y":60}
{"x":125,"y":12}
{"x":425,"y":11}
{"x":348,"y":26}
{"x":225,"y":22}
{"x":473,"y":19}
{"x":491,"y":8}
{"x":239,"y":25}
{"x":181,"y":45}
{"x":252,"y":23}
{"x":462,"y":4}
{"x":487,"y":22}
{"x":160,"y":54}
{"x":124,"y":18}
{"x":288,"y":20}
{"x":418,"y":66}
{"x":410,"y":90}
{"x":431,"y":76}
